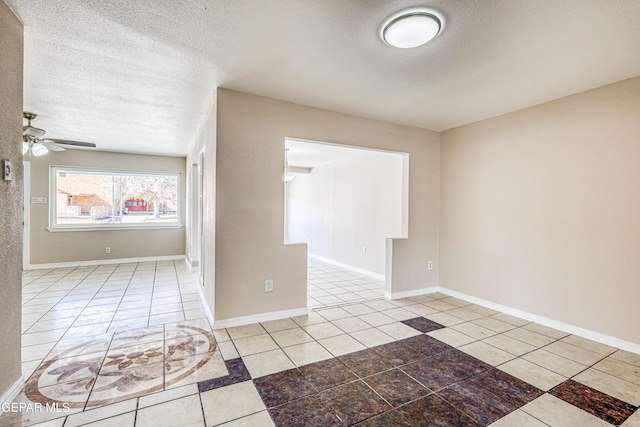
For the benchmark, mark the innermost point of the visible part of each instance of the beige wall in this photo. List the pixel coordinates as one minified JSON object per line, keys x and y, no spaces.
{"x":250,"y":200}
{"x":541,"y":210}
{"x":11,"y":48}
{"x":70,"y":246}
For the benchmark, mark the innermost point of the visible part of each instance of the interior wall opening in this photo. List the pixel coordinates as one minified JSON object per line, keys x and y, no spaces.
{"x":344,"y":202}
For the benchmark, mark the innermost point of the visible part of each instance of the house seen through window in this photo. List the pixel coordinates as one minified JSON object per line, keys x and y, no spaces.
{"x":107,"y":198}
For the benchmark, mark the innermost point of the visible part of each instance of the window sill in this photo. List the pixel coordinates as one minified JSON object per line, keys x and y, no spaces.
{"x":114,"y":228}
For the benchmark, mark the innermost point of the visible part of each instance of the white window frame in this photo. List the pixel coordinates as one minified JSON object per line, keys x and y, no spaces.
{"x":55,"y":227}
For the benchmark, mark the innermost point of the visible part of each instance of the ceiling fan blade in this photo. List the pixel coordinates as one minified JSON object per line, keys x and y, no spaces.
{"x":51,"y":145}
{"x":75,"y":143}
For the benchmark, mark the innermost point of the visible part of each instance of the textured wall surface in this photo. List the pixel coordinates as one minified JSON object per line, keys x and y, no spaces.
{"x":541,"y":210}
{"x":11,"y":47}
{"x":250,"y":200}
{"x":70,"y":246}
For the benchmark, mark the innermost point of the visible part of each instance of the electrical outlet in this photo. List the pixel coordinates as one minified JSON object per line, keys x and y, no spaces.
{"x":107,"y":250}
{"x":364,"y":249}
{"x":268,"y":285}
{"x":38,"y":200}
{"x":430,"y":265}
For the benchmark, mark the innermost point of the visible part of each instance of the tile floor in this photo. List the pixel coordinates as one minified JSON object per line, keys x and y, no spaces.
{"x":129,"y":345}
{"x":329,"y":285}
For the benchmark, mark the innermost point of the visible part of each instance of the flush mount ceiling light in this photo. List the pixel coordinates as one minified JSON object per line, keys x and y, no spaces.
{"x":411,"y":28}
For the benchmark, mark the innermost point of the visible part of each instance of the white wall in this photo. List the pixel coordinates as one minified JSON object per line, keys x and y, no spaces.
{"x":346,"y":205}
{"x":541,"y":210}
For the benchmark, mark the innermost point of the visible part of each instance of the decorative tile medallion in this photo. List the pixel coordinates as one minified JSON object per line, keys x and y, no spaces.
{"x":122,"y":373}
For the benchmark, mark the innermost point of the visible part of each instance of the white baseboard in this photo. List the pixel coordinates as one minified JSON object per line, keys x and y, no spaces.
{"x":409,"y":294}
{"x":347,"y":266}
{"x":203,"y":298}
{"x":555,"y":324}
{"x":12,"y":392}
{"x":104,"y":261}
{"x":262,"y":317}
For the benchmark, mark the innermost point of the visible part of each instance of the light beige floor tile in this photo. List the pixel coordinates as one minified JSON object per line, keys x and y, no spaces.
{"x":306,"y":353}
{"x":228,"y":350}
{"x":246,"y":331}
{"x":359,"y":309}
{"x":309,"y":319}
{"x":518,"y":418}
{"x":473,"y":330}
{"x":558,"y":413}
{"x":323,"y":330}
{"x":334,"y":313}
{"x":439,"y":305}
{"x":399,"y":314}
{"x":578,"y":354}
{"x":421,"y":310}
{"x":266,"y":363}
{"x":627,"y":357}
{"x":614,"y":386}
{"x":279,"y":325}
{"x":590,"y":345}
{"x":290,"y":337}
{"x":465,"y":314}
{"x":229,"y":403}
{"x":101,"y":413}
{"x":535,"y":375}
{"x":255,"y":344}
{"x":376,"y":319}
{"x":487,"y":353}
{"x":445,"y":319}
{"x":509,"y":344}
{"x":551,"y":361}
{"x":185,"y":412}
{"x":261,"y":419}
{"x":351,"y":324}
{"x":633,"y":420}
{"x":399,"y":330}
{"x":124,"y":420}
{"x":545,"y":330}
{"x":341,"y":344}
{"x":221,"y":335}
{"x":529,"y":337}
{"x":380,"y":305}
{"x":165,"y":396}
{"x":451,"y":337}
{"x":455,"y":301}
{"x":372,"y":337}
{"x":510,"y":319}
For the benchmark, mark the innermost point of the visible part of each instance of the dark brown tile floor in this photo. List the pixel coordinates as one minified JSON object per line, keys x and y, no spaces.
{"x":418,"y":381}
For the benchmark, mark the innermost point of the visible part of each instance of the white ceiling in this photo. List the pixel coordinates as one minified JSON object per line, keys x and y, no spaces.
{"x":139,"y":75}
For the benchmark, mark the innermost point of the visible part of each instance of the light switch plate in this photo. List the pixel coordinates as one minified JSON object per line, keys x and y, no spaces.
{"x":6,"y":170}
{"x":38,"y":200}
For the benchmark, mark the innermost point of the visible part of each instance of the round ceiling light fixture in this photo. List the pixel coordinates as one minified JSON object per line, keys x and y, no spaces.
{"x":411,"y":28}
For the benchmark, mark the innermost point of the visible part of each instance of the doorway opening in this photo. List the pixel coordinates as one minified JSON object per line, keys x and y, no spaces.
{"x":344,"y":202}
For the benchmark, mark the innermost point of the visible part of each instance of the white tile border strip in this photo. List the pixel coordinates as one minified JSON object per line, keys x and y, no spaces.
{"x":262,"y":317}
{"x":347,"y":266}
{"x":12,"y":392}
{"x":105,"y":261}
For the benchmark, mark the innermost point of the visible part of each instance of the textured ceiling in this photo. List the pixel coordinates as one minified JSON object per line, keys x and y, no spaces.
{"x":139,"y":75}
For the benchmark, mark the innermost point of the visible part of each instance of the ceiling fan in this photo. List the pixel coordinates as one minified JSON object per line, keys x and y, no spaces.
{"x":32,"y":139}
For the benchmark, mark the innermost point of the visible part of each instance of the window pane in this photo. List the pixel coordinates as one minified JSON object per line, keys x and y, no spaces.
{"x":91,"y":198}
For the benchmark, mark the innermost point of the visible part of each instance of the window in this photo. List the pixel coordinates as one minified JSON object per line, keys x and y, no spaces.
{"x":103,"y":199}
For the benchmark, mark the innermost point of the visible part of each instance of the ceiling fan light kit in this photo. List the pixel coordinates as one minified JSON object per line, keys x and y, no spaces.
{"x":411,"y":28}
{"x":39,"y":147}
